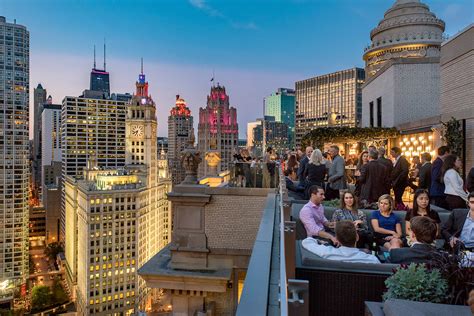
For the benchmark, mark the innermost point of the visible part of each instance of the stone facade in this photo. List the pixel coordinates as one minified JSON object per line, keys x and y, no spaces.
{"x":457,"y":85}
{"x":408,"y":91}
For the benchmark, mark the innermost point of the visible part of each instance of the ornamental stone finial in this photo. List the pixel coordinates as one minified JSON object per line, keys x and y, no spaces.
{"x":213,"y":158}
{"x":190,"y":160}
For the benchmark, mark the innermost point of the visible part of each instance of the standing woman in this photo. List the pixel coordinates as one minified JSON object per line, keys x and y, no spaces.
{"x":349,"y":211}
{"x":456,"y":197}
{"x":363,"y":160}
{"x":387,"y":226}
{"x":421,"y":207}
{"x":315,"y":171}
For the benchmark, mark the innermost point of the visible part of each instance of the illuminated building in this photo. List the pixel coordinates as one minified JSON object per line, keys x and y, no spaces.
{"x":180,"y":131}
{"x":251,"y":136}
{"x":333,"y":99}
{"x":218,"y":129}
{"x":99,"y":80}
{"x":281,"y":105}
{"x":402,"y":66}
{"x":270,"y":133}
{"x":50,"y":143}
{"x":14,"y":157}
{"x":118,"y":218}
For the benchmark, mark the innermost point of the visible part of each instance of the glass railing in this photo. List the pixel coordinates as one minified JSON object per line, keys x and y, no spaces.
{"x":254,"y":174}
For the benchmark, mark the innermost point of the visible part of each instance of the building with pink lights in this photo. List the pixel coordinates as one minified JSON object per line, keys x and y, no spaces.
{"x":218,"y":129}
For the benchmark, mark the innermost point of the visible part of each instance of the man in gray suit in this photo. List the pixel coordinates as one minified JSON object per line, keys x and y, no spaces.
{"x":336,"y":174}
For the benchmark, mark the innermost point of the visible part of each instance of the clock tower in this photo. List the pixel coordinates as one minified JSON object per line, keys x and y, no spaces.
{"x":140,"y":130}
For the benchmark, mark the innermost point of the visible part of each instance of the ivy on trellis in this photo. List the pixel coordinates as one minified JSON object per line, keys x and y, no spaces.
{"x":319,"y":136}
{"x":453,"y":136}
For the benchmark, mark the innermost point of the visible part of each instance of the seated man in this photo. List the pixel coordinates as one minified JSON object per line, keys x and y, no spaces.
{"x":293,"y":190}
{"x":346,"y":234}
{"x":422,"y":233}
{"x":312,"y":216}
{"x":458,"y":230}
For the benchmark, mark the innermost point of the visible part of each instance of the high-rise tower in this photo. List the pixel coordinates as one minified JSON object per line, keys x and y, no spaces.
{"x":14,"y":156}
{"x":218,"y":129}
{"x":180,"y":131}
{"x":100,"y":78}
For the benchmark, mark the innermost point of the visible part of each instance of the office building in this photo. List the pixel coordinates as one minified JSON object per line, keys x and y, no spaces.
{"x":119,"y":218}
{"x":14,"y":157}
{"x":402,"y":66}
{"x":180,"y":132}
{"x":251,"y":136}
{"x":99,"y":79}
{"x":329,"y":100}
{"x":39,"y":99}
{"x":218,"y":129}
{"x":281,"y":105}
{"x":270,"y":133}
{"x":50,"y":144}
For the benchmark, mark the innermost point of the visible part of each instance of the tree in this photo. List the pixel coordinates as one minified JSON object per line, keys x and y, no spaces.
{"x":52,"y":250}
{"x":58,"y":294}
{"x":453,"y":135}
{"x":40,"y":297}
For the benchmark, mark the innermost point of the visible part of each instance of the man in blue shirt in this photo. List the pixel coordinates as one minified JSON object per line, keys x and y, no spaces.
{"x":437,"y":186}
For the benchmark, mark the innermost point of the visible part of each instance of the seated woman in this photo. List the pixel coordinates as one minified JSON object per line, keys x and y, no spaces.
{"x":421,"y":207}
{"x":349,"y":211}
{"x":387,"y":226}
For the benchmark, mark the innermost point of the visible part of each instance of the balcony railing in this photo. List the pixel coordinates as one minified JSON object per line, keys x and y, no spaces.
{"x":270,"y":287}
{"x":254,"y":174}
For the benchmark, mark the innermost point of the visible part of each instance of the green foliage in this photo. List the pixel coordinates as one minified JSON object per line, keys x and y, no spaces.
{"x":317,"y":137}
{"x":41,"y":297}
{"x":58,"y":294}
{"x":417,"y":283}
{"x":454,"y":136}
{"x":332,"y":203}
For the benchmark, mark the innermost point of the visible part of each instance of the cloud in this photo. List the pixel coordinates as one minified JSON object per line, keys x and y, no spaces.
{"x":204,"y":6}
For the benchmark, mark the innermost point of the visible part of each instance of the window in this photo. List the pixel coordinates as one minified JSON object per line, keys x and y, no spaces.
{"x":371,"y":122}
{"x":379,"y":112}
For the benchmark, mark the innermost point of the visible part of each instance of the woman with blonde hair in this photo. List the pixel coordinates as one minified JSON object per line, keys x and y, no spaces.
{"x":387,"y":226}
{"x":315,"y":170}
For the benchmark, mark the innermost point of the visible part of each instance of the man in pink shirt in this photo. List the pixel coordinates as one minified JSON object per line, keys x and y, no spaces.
{"x":312,"y":216}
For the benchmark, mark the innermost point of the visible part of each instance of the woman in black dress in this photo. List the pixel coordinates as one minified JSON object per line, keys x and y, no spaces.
{"x":315,"y":171}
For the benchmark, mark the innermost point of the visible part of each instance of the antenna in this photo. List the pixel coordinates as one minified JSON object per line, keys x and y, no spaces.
{"x":104,"y":55}
{"x":94,"y":56}
{"x":142,"y":65}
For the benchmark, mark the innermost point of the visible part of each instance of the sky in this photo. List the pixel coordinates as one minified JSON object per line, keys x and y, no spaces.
{"x":252,"y":47}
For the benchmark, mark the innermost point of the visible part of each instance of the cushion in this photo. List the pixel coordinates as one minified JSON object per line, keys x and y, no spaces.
{"x":312,"y":261}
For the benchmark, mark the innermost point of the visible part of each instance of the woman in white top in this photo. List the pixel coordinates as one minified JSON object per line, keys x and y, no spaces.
{"x":456,"y":197}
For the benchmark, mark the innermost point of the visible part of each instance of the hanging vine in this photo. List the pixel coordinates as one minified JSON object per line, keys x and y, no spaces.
{"x":453,"y":136}
{"x":317,"y":137}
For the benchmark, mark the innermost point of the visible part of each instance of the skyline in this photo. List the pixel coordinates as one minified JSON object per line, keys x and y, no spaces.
{"x":179,"y":62}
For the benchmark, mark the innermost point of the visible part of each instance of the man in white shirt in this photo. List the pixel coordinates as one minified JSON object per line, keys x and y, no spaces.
{"x":346,"y":234}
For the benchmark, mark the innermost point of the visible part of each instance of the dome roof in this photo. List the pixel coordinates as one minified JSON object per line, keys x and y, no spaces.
{"x":407,"y":23}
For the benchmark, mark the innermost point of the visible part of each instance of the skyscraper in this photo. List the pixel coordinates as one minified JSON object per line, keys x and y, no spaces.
{"x":270,"y":133}
{"x":50,"y":142}
{"x":218,"y":129}
{"x":14,"y":156}
{"x":119,"y":218}
{"x":281,"y":105}
{"x":180,"y":131}
{"x":100,"y":78}
{"x":333,"y":99}
{"x":39,"y":99}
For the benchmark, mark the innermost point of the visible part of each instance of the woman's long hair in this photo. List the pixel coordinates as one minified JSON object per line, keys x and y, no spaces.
{"x":415,"y":204}
{"x":316,"y":157}
{"x":359,"y":162}
{"x":448,"y":163}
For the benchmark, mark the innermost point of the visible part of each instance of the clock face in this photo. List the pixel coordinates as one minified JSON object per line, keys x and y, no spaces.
{"x":137,"y":130}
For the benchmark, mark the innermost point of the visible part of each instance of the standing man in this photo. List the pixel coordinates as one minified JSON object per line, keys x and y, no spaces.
{"x":437,"y":186}
{"x":399,"y":176}
{"x":336,"y":174}
{"x":372,"y":179}
{"x":388,"y":164}
{"x":302,"y":167}
{"x":424,"y":181}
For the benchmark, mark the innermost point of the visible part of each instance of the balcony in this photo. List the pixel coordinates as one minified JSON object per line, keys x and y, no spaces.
{"x":254,"y":175}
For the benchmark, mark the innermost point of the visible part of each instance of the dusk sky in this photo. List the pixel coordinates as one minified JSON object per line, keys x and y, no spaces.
{"x":253,"y":46}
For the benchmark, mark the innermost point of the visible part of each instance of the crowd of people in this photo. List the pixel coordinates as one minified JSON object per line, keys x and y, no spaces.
{"x":376,"y":175}
{"x":349,"y":237}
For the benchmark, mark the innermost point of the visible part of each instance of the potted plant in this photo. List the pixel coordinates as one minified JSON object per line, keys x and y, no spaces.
{"x":416,"y":283}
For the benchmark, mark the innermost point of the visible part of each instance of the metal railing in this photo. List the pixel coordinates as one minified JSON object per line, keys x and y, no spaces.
{"x":254,"y":174}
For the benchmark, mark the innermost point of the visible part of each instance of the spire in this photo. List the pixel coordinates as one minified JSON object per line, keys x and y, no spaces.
{"x":94,"y":57}
{"x":142,"y":66}
{"x":104,"y":57}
